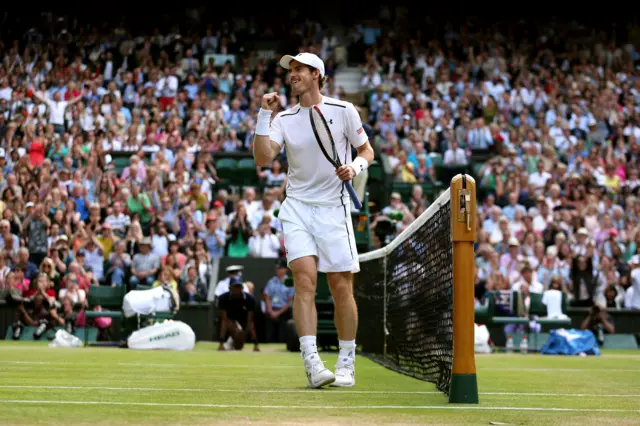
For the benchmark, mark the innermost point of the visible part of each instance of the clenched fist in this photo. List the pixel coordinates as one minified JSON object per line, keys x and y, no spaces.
{"x":270,"y":100}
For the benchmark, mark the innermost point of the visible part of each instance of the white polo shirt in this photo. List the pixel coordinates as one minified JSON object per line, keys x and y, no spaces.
{"x":311,"y":178}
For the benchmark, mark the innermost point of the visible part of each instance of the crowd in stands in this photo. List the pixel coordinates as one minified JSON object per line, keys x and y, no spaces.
{"x":71,"y":103}
{"x":554,"y":115}
{"x":549,"y":127}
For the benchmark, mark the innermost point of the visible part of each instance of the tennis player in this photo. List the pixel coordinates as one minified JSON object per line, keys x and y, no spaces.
{"x":318,"y":233}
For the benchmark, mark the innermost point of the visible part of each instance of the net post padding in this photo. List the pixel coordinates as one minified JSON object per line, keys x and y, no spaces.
{"x":464,"y":384}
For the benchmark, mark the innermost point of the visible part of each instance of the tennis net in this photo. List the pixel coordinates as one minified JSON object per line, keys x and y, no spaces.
{"x":404,"y":294}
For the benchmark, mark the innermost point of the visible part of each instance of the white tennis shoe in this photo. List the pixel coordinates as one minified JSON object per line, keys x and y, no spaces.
{"x":317,"y":374}
{"x":345,"y":375}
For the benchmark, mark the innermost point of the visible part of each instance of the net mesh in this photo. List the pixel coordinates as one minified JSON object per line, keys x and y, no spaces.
{"x":404,"y":292}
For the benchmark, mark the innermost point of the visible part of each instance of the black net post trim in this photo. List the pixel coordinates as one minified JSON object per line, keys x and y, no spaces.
{"x":408,"y":295}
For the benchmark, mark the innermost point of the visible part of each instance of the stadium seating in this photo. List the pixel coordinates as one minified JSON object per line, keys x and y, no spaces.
{"x":227,"y":169}
{"x":489,"y":315}
{"x":120,"y":163}
{"x":247,"y":173}
{"x":109,"y":298}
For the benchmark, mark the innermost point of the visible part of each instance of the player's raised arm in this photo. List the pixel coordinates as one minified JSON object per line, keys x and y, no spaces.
{"x":268,"y":140}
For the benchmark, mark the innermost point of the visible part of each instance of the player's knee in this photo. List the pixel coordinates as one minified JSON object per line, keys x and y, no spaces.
{"x":305,"y":290}
{"x":304,"y":278}
{"x":340,"y":284}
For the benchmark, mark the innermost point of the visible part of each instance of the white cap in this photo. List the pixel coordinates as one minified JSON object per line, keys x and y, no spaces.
{"x":304,"y":58}
{"x":234,"y":268}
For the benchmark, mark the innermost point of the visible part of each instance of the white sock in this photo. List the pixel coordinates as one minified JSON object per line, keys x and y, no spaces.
{"x":347,"y":353}
{"x":308,"y":346}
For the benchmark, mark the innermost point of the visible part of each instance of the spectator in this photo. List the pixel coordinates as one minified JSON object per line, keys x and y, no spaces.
{"x":214,"y":237}
{"x":455,"y":156}
{"x":264,"y":243}
{"x":37,"y":225}
{"x":145,"y":265}
{"x":527,"y":279}
{"x":166,"y":278}
{"x":239,"y":232}
{"x":193,"y":288}
{"x":119,"y":263}
{"x":278,"y":300}
{"x":599,"y":322}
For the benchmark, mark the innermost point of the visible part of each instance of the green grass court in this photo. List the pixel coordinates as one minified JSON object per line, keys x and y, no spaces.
{"x":109,"y":386}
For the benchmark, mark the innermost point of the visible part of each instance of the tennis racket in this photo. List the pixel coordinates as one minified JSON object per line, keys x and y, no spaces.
{"x":328,"y":146}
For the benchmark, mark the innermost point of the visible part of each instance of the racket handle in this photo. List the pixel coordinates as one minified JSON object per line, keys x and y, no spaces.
{"x":354,"y":196}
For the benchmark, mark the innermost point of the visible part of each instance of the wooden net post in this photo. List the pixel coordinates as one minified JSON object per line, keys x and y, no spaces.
{"x":464,"y":383}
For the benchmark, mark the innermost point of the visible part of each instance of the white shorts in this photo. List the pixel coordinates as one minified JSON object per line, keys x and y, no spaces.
{"x":321,"y":231}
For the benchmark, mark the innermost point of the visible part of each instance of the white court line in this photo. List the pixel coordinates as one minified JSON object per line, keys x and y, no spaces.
{"x":322,"y":407}
{"x":279,"y":367}
{"x":152,"y":365}
{"x":147,"y":389}
{"x":573,"y":370}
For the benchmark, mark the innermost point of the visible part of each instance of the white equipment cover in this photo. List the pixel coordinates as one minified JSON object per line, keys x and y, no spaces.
{"x":172,"y":335}
{"x":481,"y":339}
{"x":64,"y":339}
{"x":149,"y":302}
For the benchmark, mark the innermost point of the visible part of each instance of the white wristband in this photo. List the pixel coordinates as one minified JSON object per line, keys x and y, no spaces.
{"x":359,"y":165}
{"x":263,"y":123}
